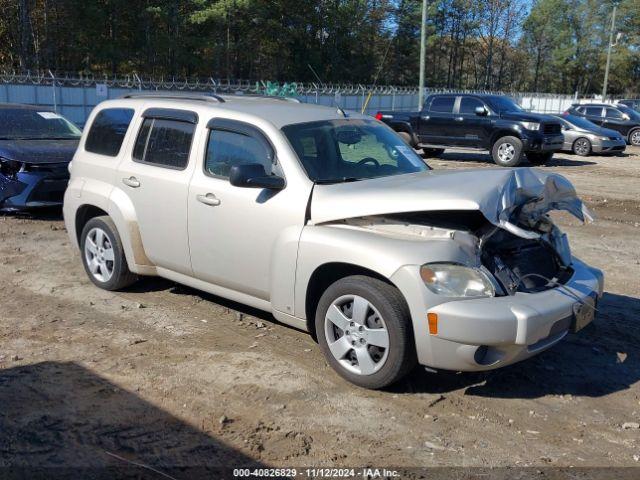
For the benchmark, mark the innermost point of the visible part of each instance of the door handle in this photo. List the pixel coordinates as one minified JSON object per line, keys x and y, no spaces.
{"x":132,"y":182}
{"x":459,"y":119}
{"x":209,"y":199}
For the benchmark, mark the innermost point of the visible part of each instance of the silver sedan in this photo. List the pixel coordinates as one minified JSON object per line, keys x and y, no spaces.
{"x":583,"y":137}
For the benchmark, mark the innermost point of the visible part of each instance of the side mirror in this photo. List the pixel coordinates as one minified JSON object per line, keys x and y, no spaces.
{"x":253,"y":175}
{"x":481,"y":111}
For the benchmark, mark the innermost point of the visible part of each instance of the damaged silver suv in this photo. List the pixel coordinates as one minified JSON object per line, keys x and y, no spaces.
{"x":334,"y":225}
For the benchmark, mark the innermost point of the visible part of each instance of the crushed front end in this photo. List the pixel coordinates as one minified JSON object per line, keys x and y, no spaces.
{"x":26,"y":185}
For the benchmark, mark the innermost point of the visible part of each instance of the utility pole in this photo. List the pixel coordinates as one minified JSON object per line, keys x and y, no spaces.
{"x":423,"y":51}
{"x":606,"y":70}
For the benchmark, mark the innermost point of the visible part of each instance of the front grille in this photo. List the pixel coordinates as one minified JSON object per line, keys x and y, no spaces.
{"x":551,"y":128}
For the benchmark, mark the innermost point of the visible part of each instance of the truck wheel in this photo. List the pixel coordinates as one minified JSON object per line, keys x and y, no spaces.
{"x":103,"y":256}
{"x":634,"y":137}
{"x":582,"y":147}
{"x":432,"y":152}
{"x":507,"y":151}
{"x":407,"y":138}
{"x":364,"y":330}
{"x":539,"y":158}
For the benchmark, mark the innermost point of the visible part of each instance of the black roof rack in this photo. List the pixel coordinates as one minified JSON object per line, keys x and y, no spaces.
{"x":258,"y":96}
{"x":178,"y":96}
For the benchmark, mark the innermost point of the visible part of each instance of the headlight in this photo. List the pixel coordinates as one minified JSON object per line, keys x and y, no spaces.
{"x":456,"y":280}
{"x":603,"y":138}
{"x":9,"y":168}
{"x":530,"y":125}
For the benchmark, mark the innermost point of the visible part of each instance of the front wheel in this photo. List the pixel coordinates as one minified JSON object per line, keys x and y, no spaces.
{"x":507,"y":151}
{"x":634,"y":137}
{"x":582,"y":147}
{"x":364,"y":330}
{"x":103,"y":256}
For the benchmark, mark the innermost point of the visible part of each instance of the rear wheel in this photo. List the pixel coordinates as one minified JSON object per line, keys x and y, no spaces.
{"x":364,"y":330}
{"x":407,"y":138}
{"x":539,"y":158}
{"x":103,"y":256}
{"x":507,"y":151}
{"x":582,"y":147}
{"x":634,"y":137}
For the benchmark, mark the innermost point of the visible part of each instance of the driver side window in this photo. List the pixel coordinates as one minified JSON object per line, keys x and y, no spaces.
{"x":228,"y":148}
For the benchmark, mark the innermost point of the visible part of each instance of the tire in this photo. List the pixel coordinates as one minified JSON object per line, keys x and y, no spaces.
{"x":407,"y":138}
{"x":364,"y":355}
{"x":634,"y":137}
{"x":507,"y":151}
{"x":582,"y":147}
{"x":103,"y":256}
{"x":432,"y":152}
{"x":539,"y":158}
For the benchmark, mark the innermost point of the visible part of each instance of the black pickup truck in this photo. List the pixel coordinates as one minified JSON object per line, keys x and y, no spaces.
{"x":493,"y":123}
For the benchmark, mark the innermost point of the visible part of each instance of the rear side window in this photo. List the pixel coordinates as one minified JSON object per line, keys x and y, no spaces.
{"x":226,"y":149}
{"x":108,"y":130}
{"x":594,"y":111}
{"x":468,"y":105}
{"x":164,"y":143}
{"x":442,"y":104}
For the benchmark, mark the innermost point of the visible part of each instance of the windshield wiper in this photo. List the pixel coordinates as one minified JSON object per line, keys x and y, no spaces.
{"x":337,"y":180}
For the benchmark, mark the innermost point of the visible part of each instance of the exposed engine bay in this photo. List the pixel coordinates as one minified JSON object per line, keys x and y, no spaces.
{"x":517,"y":264}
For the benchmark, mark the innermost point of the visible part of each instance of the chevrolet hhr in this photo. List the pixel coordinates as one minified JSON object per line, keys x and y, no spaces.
{"x":330,"y":222}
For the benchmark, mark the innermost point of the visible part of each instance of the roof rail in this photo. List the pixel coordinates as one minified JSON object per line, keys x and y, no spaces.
{"x":259,"y":96}
{"x":178,"y":96}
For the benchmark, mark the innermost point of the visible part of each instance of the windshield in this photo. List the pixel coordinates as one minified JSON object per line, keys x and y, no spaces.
{"x":19,"y":124}
{"x":334,"y":151}
{"x":580,"y":122}
{"x":503,"y":104}
{"x":629,"y":111}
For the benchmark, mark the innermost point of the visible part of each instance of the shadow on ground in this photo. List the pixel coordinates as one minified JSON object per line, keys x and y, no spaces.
{"x":600,"y":360}
{"x":478,"y":157}
{"x":60,"y":420}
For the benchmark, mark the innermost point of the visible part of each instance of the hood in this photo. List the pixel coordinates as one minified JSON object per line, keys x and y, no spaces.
{"x":528,"y":117}
{"x":38,"y":151}
{"x":605,"y":132}
{"x":512,"y":199}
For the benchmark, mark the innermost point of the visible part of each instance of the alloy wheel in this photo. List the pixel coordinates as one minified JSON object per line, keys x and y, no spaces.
{"x":99,"y":254}
{"x":506,"y":152}
{"x":356,"y":334}
{"x":635,"y":138}
{"x":582,"y":146}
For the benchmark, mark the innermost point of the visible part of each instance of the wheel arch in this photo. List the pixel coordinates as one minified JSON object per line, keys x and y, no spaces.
{"x":503,"y":132}
{"x":324,"y":276}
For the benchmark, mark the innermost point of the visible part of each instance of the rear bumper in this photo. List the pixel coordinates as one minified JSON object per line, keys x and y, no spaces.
{"x":488,"y":333}
{"x":538,"y":142}
{"x":32,"y":190}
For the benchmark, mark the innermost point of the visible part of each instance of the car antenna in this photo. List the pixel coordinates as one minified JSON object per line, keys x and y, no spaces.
{"x":315,"y":74}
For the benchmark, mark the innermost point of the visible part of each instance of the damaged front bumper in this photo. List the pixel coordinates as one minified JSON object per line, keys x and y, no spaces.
{"x":487,"y":333}
{"x":33,"y":189}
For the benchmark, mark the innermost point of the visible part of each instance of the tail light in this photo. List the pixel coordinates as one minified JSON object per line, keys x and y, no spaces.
{"x":378,"y":116}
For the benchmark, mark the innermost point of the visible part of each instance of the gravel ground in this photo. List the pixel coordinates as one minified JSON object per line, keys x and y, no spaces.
{"x":166,"y":375}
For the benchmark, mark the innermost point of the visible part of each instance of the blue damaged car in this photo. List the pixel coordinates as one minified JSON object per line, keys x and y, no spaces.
{"x":36,"y":146}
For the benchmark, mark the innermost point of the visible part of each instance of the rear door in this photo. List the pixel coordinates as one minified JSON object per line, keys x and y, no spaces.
{"x":155,"y":176}
{"x":435,"y":122}
{"x":594,"y":114}
{"x":615,"y":120}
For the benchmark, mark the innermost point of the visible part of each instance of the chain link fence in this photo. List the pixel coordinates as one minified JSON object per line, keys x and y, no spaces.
{"x":75,"y":95}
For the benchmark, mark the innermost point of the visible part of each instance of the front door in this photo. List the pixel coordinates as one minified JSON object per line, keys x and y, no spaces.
{"x":233,"y":231}
{"x":469,"y":128}
{"x":156,"y":180}
{"x":614,"y":119}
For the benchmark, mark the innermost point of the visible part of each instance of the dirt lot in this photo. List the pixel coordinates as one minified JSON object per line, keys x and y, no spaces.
{"x":165,"y":375}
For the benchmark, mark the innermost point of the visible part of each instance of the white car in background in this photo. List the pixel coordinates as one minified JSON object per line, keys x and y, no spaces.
{"x":334,"y":225}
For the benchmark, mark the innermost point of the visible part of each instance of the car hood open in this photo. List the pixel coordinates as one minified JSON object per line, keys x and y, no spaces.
{"x":513,"y":199}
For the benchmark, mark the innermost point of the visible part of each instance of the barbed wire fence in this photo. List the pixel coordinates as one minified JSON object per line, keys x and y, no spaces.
{"x":75,"y":94}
